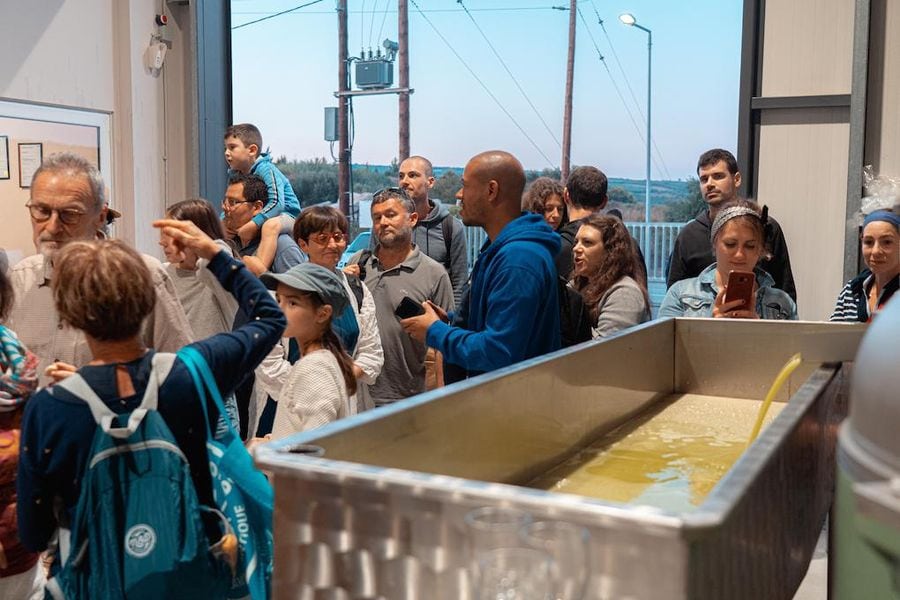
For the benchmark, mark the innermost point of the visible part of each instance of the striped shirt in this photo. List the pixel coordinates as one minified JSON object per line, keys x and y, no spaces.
{"x":853,"y":302}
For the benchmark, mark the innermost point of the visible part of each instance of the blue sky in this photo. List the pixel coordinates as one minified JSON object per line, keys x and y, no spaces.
{"x":285,"y":72}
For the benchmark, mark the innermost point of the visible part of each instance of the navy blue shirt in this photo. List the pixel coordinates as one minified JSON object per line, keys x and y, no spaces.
{"x":58,"y":429}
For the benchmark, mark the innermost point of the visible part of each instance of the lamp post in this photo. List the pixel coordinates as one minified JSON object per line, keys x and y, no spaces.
{"x":628,"y":19}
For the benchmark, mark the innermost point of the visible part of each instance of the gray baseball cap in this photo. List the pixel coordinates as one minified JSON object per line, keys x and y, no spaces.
{"x":308,"y":277}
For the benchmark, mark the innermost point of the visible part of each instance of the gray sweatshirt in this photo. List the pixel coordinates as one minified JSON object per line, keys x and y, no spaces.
{"x":429,"y":237}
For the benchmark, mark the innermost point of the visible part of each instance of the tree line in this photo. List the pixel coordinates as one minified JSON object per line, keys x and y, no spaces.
{"x":316,"y":181}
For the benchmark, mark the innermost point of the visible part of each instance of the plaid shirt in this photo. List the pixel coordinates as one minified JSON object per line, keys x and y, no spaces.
{"x":35,"y":320}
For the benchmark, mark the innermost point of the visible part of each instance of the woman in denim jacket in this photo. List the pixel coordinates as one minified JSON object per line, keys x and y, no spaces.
{"x":738,"y":239}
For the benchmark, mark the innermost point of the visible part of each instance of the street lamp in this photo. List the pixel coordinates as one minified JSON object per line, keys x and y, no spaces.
{"x":628,"y":19}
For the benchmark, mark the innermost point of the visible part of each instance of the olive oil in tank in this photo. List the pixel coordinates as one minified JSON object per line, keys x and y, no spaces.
{"x":670,"y":458}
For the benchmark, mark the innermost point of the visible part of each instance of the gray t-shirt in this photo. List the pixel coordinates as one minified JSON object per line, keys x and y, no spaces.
{"x":420,"y":278}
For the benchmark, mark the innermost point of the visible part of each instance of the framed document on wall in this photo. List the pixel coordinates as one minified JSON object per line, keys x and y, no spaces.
{"x":4,"y":157}
{"x":30,"y":157}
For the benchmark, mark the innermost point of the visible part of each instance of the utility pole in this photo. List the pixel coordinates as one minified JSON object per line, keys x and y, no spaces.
{"x":403,"y":56}
{"x":567,"y":111}
{"x":344,"y":156}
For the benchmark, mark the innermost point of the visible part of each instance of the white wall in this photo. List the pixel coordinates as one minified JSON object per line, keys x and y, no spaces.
{"x":89,"y":54}
{"x":804,"y":153}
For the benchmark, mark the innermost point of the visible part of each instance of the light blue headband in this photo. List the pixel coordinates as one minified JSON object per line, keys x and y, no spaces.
{"x":887,"y":216}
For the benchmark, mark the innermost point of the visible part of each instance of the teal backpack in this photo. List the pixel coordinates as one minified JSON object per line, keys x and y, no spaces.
{"x":137,"y":531}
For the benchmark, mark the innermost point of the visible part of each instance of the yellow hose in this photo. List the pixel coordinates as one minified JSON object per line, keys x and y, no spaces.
{"x":789,"y":367}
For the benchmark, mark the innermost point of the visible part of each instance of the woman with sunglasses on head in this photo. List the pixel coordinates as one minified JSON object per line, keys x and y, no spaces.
{"x":738,"y":239}
{"x":867,"y":293}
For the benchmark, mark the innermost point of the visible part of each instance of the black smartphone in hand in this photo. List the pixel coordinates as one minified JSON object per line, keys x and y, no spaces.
{"x":408,"y":308}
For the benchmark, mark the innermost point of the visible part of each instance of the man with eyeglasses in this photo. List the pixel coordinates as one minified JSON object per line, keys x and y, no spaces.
{"x":67,"y":203}
{"x":395,"y":270}
{"x":245,"y":197}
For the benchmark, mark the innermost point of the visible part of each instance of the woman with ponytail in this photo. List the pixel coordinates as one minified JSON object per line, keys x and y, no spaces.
{"x":318,"y":388}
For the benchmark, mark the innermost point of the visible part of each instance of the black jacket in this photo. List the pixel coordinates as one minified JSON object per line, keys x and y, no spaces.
{"x":693,"y":252}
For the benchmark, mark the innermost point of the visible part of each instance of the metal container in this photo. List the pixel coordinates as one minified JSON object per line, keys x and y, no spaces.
{"x":379,"y":514}
{"x":867,"y":506}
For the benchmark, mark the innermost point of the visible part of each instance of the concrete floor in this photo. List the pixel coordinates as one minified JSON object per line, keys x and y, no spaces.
{"x":815,"y":585}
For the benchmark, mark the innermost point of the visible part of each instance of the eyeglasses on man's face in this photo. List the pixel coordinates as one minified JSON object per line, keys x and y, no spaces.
{"x":322,"y":238}
{"x":42,"y":212}
{"x":232,"y":203}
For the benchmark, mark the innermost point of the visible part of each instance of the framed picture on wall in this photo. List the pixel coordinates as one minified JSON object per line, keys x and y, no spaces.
{"x":30,"y":157}
{"x":4,"y":157}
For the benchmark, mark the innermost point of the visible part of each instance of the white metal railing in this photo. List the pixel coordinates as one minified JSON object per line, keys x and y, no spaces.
{"x":660,"y":238}
{"x":656,"y":241}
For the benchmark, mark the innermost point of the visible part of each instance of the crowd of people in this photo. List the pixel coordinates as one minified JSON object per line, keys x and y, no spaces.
{"x":294,"y":342}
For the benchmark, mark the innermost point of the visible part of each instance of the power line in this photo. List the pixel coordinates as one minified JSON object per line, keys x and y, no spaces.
{"x":628,"y":84}
{"x":612,"y":80}
{"x":483,"y":85}
{"x":602,"y":58}
{"x":510,"y":73}
{"x":429,"y":10}
{"x":278,"y":14}
{"x":387,"y":5}
{"x":362,"y":25}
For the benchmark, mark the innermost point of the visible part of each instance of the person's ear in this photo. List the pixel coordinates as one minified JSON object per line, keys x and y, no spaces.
{"x":254,"y":149}
{"x":323,"y":314}
{"x":430,"y":182}
{"x":737,"y":180}
{"x":566,"y":199}
{"x":413,"y":218}
{"x":304,"y":246}
{"x":493,"y":190}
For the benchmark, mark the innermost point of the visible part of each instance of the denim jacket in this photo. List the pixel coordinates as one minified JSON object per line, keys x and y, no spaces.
{"x":695,"y":297}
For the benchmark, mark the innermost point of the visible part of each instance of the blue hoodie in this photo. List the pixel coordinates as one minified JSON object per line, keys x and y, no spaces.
{"x":512,"y":308}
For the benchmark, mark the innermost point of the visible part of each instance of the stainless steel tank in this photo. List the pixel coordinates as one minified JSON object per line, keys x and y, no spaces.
{"x":373,"y":506}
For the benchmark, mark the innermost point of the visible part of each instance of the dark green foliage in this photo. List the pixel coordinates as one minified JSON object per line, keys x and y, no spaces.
{"x":685,"y":209}
{"x":621,"y":195}
{"x":446,"y":186}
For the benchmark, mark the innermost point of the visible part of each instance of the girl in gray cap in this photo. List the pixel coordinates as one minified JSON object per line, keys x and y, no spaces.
{"x":319,"y":385}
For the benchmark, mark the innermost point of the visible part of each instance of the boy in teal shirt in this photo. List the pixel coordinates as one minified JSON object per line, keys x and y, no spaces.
{"x":242,"y":153}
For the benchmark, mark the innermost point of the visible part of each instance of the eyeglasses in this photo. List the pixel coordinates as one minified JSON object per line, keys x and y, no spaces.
{"x":323,"y":238}
{"x":229,"y":203}
{"x":42,"y":212}
{"x":389,"y":191}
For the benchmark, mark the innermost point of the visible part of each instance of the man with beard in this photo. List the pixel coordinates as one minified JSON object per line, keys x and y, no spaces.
{"x":67,"y":203}
{"x":394,"y":270}
{"x":720,"y":181}
{"x":245,"y":197}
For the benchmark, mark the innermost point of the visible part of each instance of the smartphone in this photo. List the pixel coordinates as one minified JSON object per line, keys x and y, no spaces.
{"x":408,"y":308}
{"x":740,"y":287}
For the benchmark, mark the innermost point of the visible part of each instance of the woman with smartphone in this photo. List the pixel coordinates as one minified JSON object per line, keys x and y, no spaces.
{"x":733,"y":287}
{"x":606,"y":270}
{"x":868,"y":292}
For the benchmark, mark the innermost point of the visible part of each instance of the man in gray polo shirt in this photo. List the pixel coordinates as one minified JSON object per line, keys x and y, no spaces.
{"x":395,"y":269}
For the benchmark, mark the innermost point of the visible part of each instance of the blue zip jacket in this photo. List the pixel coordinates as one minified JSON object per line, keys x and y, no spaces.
{"x":512,"y":312}
{"x":282,"y":198}
{"x":696,"y":296}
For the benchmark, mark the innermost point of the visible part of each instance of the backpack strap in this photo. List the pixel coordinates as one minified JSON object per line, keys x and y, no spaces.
{"x":356,"y":284}
{"x":76,"y":385}
{"x":447,"y":232}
